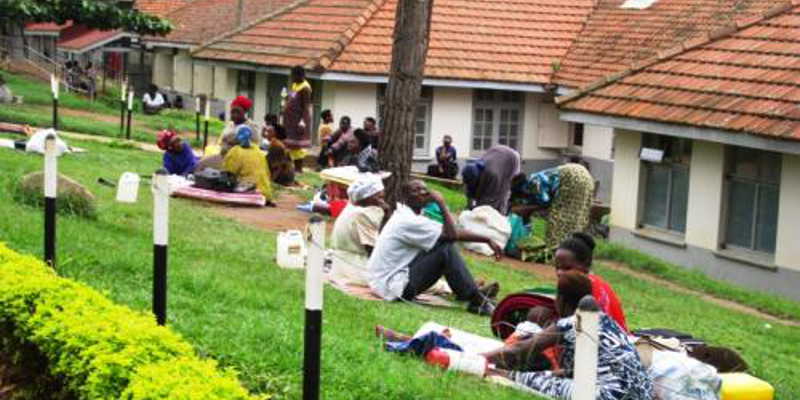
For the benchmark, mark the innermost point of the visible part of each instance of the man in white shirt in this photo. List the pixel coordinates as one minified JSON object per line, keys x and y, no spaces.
{"x":412,"y":252}
{"x":153,"y":101}
{"x":356,"y":229}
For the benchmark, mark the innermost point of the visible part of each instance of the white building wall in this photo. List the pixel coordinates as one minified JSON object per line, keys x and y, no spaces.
{"x":539,"y":119}
{"x":182,"y":81}
{"x":356,"y":100}
{"x":163,"y":72}
{"x":260,"y":100}
{"x":787,"y":247}
{"x":224,"y":84}
{"x":203,"y":79}
{"x":598,"y":142}
{"x":706,"y":176}
{"x":625,"y":185}
{"x":451,"y":115}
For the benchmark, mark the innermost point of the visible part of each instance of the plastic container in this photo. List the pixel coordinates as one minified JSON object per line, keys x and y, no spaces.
{"x":741,"y":386}
{"x":453,"y":360}
{"x":291,"y":250}
{"x":128,"y":188}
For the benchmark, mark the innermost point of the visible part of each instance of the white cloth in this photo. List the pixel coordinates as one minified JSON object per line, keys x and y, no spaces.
{"x":364,"y":188}
{"x":486,"y":221}
{"x":154,"y":101}
{"x":677,"y":376}
{"x":355,"y":228}
{"x":36,"y":142}
{"x":405,"y":235}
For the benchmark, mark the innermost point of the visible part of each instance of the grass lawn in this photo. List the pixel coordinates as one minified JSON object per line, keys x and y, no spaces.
{"x":229,"y":299}
{"x":37,"y":111}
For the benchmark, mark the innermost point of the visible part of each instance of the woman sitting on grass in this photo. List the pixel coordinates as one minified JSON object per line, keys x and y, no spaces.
{"x":620,"y":373}
{"x":575,"y":254}
{"x":281,"y":166}
{"x":249,"y":164}
{"x":179,"y":158}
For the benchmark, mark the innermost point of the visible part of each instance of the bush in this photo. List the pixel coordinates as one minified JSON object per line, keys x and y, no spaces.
{"x":73,"y":199}
{"x":99,"y":349}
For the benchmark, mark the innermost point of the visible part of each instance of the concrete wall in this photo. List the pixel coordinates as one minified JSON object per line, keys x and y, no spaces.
{"x":203,"y":79}
{"x":260,"y":98}
{"x":163,"y":68}
{"x":224,"y":84}
{"x":452,"y":115}
{"x":356,"y":100}
{"x":182,"y":81}
{"x":625,"y":184}
{"x":704,"y":214}
{"x":787,"y":251}
{"x":598,"y":142}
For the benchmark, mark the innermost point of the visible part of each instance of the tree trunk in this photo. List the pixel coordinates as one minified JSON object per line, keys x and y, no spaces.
{"x":411,"y":29}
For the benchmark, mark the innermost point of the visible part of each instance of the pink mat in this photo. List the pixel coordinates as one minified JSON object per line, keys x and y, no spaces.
{"x":244,"y":199}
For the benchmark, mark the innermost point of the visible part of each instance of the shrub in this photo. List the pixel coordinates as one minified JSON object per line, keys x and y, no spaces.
{"x":99,"y":349}
{"x":73,"y":198}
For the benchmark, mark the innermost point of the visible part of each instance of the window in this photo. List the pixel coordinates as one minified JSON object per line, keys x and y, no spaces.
{"x":752,"y":182}
{"x":496,"y":119}
{"x":577,"y":135}
{"x":666,"y":183}
{"x":422,"y":118}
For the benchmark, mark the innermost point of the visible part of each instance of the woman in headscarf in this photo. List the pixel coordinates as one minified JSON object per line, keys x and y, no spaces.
{"x":620,"y":372}
{"x":564,"y":193}
{"x":214,"y":155}
{"x":179,"y":158}
{"x":297,"y":117}
{"x":491,"y":184}
{"x":249,"y":164}
{"x":280,"y":164}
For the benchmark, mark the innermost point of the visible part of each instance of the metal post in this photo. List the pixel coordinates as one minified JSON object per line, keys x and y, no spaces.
{"x":205,"y":136}
{"x":54,"y":89}
{"x":50,"y":190}
{"x":160,"y":237}
{"x":313,"y":327}
{"x":122,"y":109}
{"x":586,"y":349}
{"x":130,"y":114}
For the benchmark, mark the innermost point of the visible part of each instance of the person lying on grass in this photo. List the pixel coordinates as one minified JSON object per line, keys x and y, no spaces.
{"x":179,"y":158}
{"x":412,"y":252}
{"x":621,"y":374}
{"x":575,"y":254}
{"x":356,"y":230}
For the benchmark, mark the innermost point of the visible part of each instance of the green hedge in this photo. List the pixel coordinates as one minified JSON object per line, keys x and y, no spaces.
{"x":99,"y":349}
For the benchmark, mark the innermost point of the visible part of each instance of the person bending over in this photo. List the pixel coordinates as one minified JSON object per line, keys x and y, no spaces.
{"x":249,"y":164}
{"x":179,"y":158}
{"x":620,"y":373}
{"x":412,"y":252}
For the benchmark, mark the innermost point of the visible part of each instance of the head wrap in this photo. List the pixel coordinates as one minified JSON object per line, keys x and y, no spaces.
{"x":471,"y":175}
{"x":164,"y":138}
{"x":243,"y":135}
{"x":364,"y":188}
{"x":242,"y":102}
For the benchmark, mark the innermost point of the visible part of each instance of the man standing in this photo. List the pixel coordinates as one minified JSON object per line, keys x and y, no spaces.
{"x":412,"y":252}
{"x":446,"y":165}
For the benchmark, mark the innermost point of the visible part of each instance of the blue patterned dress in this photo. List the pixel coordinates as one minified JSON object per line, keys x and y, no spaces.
{"x":620,"y":373}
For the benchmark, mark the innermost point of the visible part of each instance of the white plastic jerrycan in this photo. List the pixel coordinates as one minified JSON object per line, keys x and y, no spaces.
{"x":291,"y":249}
{"x":128,"y":188}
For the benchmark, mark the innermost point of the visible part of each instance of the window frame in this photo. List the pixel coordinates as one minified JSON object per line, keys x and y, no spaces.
{"x":496,"y":104}
{"x":672,"y":166}
{"x":426,"y":99}
{"x":730,"y":177}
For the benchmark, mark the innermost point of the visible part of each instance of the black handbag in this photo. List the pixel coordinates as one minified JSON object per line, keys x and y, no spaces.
{"x":212,"y":179}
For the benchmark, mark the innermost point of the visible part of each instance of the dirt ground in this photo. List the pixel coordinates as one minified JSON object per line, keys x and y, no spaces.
{"x":273,"y":219}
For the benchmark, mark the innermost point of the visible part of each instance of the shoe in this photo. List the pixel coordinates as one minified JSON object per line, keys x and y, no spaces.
{"x":484,"y":308}
{"x":308,"y":207}
{"x":491,"y":290}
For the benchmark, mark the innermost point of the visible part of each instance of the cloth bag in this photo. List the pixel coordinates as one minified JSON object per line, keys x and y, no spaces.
{"x":676,"y":376}
{"x":487,"y":221}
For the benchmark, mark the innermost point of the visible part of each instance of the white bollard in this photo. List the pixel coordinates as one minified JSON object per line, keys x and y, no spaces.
{"x":160,"y":239}
{"x":586,"y":349}
{"x":313,"y":328}
{"x":50,"y":191}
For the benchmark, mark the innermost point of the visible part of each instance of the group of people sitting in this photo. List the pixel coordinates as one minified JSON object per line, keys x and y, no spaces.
{"x":153,"y":101}
{"x":348,"y":146}
{"x":81,"y":78}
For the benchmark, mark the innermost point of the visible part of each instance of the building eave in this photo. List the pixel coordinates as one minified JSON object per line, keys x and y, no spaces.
{"x":722,"y":136}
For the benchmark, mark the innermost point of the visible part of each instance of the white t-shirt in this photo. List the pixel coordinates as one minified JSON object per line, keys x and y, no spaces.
{"x":405,"y":235}
{"x":355,"y":228}
{"x":155,"y":101}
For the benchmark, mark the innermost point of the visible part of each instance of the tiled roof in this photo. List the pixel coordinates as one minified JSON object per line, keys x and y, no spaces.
{"x":744,"y":78}
{"x":309,"y":33}
{"x":486,"y":40}
{"x":202,"y":20}
{"x":80,"y":38}
{"x":46,"y":27}
{"x":159,"y":8}
{"x":615,"y":38}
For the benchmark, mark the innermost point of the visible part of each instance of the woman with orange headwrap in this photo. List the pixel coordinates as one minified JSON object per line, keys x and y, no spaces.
{"x":213,"y":156}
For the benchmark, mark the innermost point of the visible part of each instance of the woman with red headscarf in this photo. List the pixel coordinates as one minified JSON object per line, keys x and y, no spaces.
{"x":240,"y":106}
{"x":179,"y":158}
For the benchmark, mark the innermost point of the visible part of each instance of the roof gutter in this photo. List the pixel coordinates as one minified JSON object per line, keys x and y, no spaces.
{"x":733,"y":138}
{"x":170,"y":45}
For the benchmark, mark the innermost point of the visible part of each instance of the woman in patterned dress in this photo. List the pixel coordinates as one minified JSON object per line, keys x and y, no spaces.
{"x":565,"y":193}
{"x":620,"y":373}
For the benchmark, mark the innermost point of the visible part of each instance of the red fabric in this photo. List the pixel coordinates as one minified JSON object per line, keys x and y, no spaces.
{"x":163,"y":139}
{"x":242,"y":102}
{"x":336,"y":207}
{"x":336,"y":191}
{"x":608,"y":301}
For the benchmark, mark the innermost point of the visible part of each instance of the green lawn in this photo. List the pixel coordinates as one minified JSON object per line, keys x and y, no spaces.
{"x":37,"y":111}
{"x":229,"y":299}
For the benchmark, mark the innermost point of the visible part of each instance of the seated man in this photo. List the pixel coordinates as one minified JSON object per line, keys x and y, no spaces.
{"x":356,"y":229}
{"x":153,"y":101}
{"x":446,"y":165}
{"x":413,"y":252}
